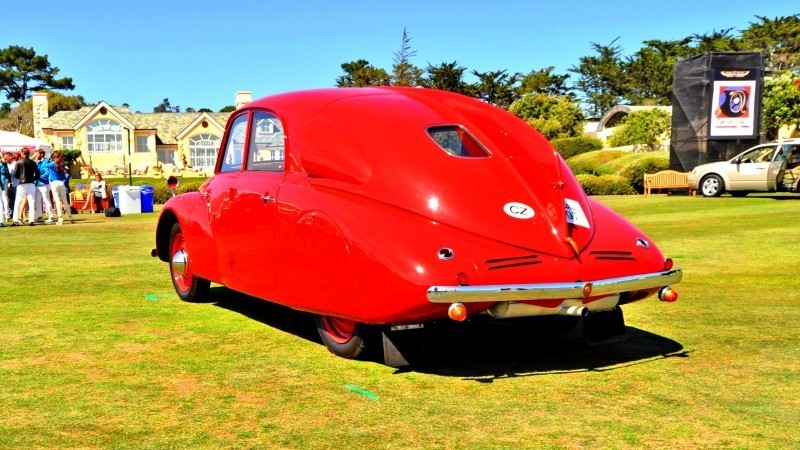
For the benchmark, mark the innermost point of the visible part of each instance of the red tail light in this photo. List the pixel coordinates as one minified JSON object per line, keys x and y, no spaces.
{"x":668,"y":264}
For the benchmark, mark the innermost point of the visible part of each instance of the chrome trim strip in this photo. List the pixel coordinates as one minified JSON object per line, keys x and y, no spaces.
{"x":545,"y":291}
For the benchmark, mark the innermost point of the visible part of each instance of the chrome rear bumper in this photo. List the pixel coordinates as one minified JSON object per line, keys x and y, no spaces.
{"x":545,"y":291}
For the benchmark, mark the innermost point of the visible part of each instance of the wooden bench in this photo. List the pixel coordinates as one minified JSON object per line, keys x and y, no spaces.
{"x":666,"y":179}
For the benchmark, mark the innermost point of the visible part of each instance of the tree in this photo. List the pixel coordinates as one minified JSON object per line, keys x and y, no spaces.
{"x":601,"y":77}
{"x":190,"y":110}
{"x":204,"y":110}
{"x":57,"y":101}
{"x":165,"y":107}
{"x":19,"y":119}
{"x":649,"y":71}
{"x":543,"y":81}
{"x":716,"y":41}
{"x":23,"y":72}
{"x":496,"y":87}
{"x":647,"y":127}
{"x":229,"y":108}
{"x":403,"y":72}
{"x":781,"y":104}
{"x":446,"y":77}
{"x":555,"y":116}
{"x":361,"y":73}
{"x":778,"y":38}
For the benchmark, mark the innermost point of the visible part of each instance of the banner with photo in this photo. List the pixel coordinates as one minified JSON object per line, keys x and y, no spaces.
{"x":734,"y":99}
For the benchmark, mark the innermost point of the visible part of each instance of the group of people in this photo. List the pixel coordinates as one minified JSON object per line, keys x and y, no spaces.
{"x":33,"y":181}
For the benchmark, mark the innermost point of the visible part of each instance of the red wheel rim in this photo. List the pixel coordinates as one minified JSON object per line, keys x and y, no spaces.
{"x":340,"y":330}
{"x":183,"y":280}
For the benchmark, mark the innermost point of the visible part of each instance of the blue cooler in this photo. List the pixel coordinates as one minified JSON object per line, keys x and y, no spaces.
{"x":147,"y":193}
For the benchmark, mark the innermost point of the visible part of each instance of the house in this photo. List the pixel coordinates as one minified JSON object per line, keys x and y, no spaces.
{"x":112,"y":137}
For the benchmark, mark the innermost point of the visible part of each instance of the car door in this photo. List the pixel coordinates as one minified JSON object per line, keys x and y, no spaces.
{"x":220,"y":193}
{"x":777,"y":168}
{"x":256,"y":204}
{"x":750,"y":170}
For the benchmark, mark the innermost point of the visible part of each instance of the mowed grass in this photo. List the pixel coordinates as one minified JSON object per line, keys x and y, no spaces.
{"x":96,"y":351}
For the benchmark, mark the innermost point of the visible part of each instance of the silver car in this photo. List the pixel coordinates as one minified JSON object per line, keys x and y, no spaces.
{"x":768,"y":167}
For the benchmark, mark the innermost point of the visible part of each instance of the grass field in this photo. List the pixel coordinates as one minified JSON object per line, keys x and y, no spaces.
{"x":96,"y":351}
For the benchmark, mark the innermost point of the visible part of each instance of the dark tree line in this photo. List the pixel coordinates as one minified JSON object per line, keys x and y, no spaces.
{"x":605,"y":78}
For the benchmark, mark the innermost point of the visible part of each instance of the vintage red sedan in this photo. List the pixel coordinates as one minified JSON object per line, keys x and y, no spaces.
{"x":378,"y":207}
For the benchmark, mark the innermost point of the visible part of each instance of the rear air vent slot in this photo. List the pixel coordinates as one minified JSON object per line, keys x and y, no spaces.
{"x":515,"y":261}
{"x":612,"y":255}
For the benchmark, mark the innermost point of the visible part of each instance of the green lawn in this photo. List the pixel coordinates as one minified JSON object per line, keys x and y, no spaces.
{"x":96,"y":351}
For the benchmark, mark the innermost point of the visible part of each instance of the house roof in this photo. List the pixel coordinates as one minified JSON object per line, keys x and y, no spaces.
{"x":167,"y":125}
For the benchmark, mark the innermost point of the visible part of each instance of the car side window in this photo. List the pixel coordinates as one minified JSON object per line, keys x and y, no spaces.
{"x":267,"y":143}
{"x":760,"y":154}
{"x":234,"y":147}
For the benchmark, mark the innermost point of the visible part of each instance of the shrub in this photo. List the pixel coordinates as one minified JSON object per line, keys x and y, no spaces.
{"x":590,"y":162}
{"x":604,"y":184}
{"x":614,"y":166}
{"x":649,"y":163}
{"x":642,"y":128}
{"x":573,"y":146}
{"x":554,"y":116}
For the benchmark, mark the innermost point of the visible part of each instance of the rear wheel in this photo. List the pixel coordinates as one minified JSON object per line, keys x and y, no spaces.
{"x":712,"y":186}
{"x":344,"y":338}
{"x":189,"y":287}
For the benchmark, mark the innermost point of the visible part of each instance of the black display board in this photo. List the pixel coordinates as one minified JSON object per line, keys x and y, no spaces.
{"x":716,"y":108}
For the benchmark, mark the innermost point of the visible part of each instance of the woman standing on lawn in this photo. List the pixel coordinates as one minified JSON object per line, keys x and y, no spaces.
{"x":58,"y":180}
{"x":98,"y":191}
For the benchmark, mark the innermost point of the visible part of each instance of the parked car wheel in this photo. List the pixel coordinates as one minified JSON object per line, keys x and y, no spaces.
{"x":739,"y":193}
{"x":712,"y":186}
{"x":189,"y":287}
{"x":344,"y":338}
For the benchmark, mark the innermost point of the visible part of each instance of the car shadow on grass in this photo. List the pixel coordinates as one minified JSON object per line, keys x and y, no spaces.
{"x":478,"y":351}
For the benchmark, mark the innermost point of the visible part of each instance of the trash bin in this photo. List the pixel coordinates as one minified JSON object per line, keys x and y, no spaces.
{"x":130,"y":200}
{"x":147,"y":193}
{"x":115,"y":195}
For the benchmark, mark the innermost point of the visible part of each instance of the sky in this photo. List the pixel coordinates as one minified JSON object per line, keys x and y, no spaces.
{"x":199,"y":53}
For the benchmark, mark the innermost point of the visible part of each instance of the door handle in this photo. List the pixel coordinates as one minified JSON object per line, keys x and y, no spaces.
{"x":267,"y":198}
{"x":207,"y":194}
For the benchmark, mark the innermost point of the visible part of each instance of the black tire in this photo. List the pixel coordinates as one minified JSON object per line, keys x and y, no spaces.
{"x":712,"y":186}
{"x":189,"y":287}
{"x":344,"y":338}
{"x":739,"y":193}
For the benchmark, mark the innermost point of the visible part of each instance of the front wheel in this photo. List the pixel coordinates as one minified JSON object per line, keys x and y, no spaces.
{"x":344,"y":338}
{"x":711,"y":186}
{"x":189,"y":287}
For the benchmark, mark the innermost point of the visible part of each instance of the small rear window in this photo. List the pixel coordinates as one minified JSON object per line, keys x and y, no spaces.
{"x":456,"y":141}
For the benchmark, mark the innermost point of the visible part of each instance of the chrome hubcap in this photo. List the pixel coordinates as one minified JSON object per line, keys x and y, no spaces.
{"x":180,"y":262}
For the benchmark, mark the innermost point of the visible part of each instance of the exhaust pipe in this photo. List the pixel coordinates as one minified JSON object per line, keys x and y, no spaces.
{"x":574,"y":311}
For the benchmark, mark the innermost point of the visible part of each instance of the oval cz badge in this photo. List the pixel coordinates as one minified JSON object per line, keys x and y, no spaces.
{"x":518,"y":210}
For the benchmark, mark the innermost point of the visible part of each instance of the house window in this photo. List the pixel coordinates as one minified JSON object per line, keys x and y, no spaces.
{"x":67,"y":143}
{"x":203,"y":150}
{"x":141,"y":144}
{"x":166,"y":156}
{"x":104,"y":136}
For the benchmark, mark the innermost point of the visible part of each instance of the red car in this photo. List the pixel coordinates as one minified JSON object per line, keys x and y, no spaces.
{"x":378,"y":207}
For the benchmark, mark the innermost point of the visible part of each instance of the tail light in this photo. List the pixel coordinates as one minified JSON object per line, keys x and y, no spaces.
{"x":457,"y":312}
{"x":668,"y":264}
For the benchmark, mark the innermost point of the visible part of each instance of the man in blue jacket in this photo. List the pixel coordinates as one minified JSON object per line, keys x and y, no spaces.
{"x":43,"y":202}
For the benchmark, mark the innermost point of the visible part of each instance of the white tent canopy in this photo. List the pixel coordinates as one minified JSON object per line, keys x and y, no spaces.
{"x":15,"y":142}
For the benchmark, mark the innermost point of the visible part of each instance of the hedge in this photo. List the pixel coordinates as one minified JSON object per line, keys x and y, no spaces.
{"x":635,"y":170}
{"x":616,"y":165}
{"x":573,"y":146}
{"x":604,"y":184}
{"x":590,"y":162}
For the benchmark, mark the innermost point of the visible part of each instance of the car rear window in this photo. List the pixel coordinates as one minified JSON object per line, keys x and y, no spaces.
{"x":456,"y":141}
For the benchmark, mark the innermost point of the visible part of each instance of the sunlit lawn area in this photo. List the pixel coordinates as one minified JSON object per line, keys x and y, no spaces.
{"x":96,"y":351}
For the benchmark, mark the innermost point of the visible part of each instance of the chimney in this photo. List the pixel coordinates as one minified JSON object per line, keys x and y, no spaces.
{"x":243,"y":97}
{"x":40,"y":114}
